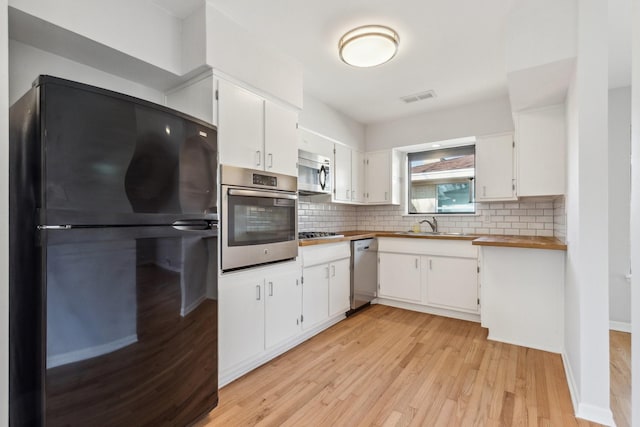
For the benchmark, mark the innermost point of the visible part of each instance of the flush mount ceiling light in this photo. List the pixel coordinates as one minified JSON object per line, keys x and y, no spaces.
{"x":368,"y":46}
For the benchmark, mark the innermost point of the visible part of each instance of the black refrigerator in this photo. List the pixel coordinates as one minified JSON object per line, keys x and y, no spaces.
{"x":113,"y":260}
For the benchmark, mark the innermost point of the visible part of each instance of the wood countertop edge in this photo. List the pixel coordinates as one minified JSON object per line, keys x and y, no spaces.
{"x":515,"y":242}
{"x":525,"y":242}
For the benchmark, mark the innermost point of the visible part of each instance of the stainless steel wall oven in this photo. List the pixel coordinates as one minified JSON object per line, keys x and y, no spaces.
{"x":259,"y":217}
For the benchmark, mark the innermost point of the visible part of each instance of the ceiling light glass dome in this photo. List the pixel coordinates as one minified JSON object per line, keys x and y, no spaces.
{"x":368,"y":46}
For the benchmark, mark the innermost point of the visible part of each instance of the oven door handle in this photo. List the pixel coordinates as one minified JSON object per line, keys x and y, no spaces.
{"x":254,"y":193}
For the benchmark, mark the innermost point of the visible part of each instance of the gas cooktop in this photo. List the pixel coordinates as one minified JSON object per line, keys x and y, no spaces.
{"x":307,"y":235}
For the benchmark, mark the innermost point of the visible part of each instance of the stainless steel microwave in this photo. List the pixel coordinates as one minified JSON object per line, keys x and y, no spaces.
{"x":314,"y":173}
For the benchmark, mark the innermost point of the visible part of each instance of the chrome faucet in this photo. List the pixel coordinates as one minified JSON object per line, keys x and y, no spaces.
{"x":433,"y":224}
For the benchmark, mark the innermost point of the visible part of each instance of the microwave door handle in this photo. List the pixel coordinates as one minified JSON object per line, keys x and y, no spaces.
{"x":255,"y":193}
{"x":323,"y":177}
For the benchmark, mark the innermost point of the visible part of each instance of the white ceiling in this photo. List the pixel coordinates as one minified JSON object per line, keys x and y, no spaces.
{"x":455,"y":47}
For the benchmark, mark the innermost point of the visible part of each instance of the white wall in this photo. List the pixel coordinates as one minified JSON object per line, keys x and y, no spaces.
{"x":233,"y":51}
{"x":138,"y":28}
{"x":27,"y":62}
{"x":4,"y":216}
{"x":619,"y":202}
{"x":474,"y":119}
{"x":539,"y":32}
{"x":586,"y":290}
{"x":319,"y":117}
{"x":635,"y":215}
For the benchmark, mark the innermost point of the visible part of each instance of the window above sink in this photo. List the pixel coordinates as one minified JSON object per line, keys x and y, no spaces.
{"x":441,"y":181}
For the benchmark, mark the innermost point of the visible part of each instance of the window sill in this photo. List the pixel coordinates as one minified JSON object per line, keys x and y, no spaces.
{"x":440,"y":215}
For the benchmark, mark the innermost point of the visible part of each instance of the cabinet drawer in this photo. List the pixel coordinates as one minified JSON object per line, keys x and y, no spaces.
{"x":439,"y":247}
{"x":324,"y":253}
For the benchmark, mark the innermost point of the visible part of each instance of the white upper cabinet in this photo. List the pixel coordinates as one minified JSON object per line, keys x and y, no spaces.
{"x":241,"y":127}
{"x":315,"y":143}
{"x":348,"y":172}
{"x":254,"y":133}
{"x":342,"y":173}
{"x":541,"y":151}
{"x":495,"y":173}
{"x":357,"y":177}
{"x":281,"y":139}
{"x":382,"y":177}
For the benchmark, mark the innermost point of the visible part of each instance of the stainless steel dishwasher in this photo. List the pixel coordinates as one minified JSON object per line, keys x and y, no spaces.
{"x":364,"y":272}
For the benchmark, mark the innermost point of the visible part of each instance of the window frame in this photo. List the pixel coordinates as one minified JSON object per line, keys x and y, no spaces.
{"x":445,"y":151}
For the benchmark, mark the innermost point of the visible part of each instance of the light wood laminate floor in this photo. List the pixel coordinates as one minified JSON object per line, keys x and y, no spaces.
{"x":391,"y":367}
{"x":620,"y":362}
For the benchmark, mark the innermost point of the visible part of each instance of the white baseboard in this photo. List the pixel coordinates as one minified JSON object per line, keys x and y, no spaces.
{"x":188,"y":309}
{"x":235,"y":372}
{"x":585,"y":411}
{"x":595,"y":414}
{"x":549,"y":348}
{"x":90,"y":352}
{"x":427,"y":309}
{"x":620,"y":326}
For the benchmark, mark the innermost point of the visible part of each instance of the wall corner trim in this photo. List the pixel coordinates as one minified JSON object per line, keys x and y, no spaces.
{"x":619,"y":326}
{"x":585,"y":411}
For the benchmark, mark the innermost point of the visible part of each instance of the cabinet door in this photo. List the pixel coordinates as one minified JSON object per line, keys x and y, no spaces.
{"x":241,"y":320}
{"x":453,"y":283}
{"x":283,"y":306}
{"x":357,"y":176}
{"x":399,"y":277}
{"x":494,"y":168}
{"x":241,"y":127}
{"x":342,"y":173}
{"x":281,"y":139}
{"x":315,"y":295}
{"x":378,"y":177}
{"x":339,"y":287}
{"x":541,"y":146}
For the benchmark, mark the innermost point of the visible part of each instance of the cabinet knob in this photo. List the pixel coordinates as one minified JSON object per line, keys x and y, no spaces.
{"x":258,"y":157}
{"x":270,"y":160}
{"x":258,"y":297}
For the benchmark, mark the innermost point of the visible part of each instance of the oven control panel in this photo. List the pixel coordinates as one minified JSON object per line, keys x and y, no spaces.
{"x":266,"y":180}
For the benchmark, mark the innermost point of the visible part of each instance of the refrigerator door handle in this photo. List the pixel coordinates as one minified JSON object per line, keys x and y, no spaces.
{"x":193,"y":225}
{"x":54,"y":227}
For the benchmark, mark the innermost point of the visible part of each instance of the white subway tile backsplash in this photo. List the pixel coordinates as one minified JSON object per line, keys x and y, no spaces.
{"x":530,"y":218}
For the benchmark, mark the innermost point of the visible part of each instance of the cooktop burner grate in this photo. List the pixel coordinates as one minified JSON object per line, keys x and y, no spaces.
{"x":317,"y":235}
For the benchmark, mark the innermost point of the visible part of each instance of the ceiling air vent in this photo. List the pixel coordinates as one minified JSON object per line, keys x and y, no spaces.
{"x":418,"y":96}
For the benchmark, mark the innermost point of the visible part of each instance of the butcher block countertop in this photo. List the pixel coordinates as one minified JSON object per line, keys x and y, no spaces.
{"x":530,"y":242}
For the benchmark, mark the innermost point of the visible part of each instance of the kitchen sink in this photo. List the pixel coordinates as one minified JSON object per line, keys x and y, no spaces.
{"x":426,"y":233}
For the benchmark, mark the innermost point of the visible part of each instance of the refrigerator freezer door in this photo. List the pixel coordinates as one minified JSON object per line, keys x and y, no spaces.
{"x":108,"y":160}
{"x":131,"y":317}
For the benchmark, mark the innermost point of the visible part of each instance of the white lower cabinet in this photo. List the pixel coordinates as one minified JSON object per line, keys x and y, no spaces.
{"x":315,"y":292}
{"x":452,"y":283}
{"x":339,"y":287}
{"x":263,"y":312}
{"x":283,"y":306}
{"x":399,"y":276}
{"x":326,"y":282}
{"x":241,"y":319}
{"x":438,"y":276}
{"x":258,"y":310}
